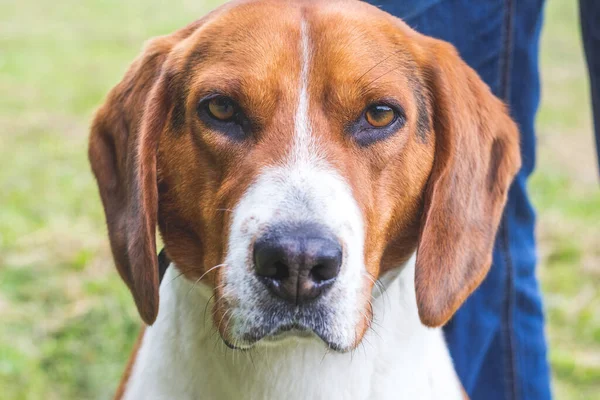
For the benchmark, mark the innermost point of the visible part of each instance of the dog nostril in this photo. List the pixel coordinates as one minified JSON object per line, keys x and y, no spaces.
{"x":321,"y":273}
{"x":327,"y":262}
{"x":280,"y":271}
{"x":270,"y":261}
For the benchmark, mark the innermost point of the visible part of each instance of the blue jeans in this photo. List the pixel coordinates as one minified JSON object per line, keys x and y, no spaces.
{"x":497,"y":337}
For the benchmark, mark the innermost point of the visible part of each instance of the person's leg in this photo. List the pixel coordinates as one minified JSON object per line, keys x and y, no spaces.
{"x":497,"y":337}
{"x":531,"y":375}
{"x":590,"y":31}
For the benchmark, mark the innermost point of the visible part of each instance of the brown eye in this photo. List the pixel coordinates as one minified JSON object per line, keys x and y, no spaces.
{"x":380,"y":115}
{"x":221,"y":108}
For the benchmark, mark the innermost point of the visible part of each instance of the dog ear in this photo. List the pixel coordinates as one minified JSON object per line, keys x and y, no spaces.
{"x":476,"y":158}
{"x":122,"y":151}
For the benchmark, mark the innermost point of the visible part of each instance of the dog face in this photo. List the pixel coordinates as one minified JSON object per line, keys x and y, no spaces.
{"x":293,"y":152}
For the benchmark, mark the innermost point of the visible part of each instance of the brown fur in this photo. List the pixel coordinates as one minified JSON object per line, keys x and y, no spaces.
{"x":127,"y":373}
{"x":437,"y":185}
{"x":476,"y":159}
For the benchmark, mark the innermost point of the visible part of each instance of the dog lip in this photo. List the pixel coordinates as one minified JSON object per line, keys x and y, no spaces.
{"x":232,"y":346}
{"x":287,"y":330}
{"x":294,"y":329}
{"x":251,"y":340}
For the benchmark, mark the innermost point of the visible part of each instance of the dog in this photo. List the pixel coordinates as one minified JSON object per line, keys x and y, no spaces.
{"x":327,"y":184}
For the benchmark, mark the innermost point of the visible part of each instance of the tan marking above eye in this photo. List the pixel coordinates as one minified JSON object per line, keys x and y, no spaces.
{"x":380,"y":115}
{"x":221,"y":108}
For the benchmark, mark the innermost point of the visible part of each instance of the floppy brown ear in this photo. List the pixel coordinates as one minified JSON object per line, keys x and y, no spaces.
{"x":476,"y":158}
{"x":122,"y":151}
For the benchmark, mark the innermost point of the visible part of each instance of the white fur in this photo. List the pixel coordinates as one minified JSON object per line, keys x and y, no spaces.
{"x":305,"y":150}
{"x":182,"y":356}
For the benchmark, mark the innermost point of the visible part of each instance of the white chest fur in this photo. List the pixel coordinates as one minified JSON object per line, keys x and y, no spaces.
{"x":182,"y":356}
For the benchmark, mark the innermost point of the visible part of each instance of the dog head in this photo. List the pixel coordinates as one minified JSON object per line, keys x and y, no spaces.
{"x":290,"y":153}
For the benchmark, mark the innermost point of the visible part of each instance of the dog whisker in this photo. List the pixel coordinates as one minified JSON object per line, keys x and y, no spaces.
{"x":324,"y":355}
{"x":222,"y":317}
{"x":209,"y":270}
{"x":181,"y":272}
{"x":385,"y":73}
{"x":203,"y":275}
{"x":251,"y":359}
{"x":382,"y":292}
{"x":378,"y":64}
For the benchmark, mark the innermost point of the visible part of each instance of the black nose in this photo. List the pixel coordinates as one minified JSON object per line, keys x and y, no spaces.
{"x":298,"y":263}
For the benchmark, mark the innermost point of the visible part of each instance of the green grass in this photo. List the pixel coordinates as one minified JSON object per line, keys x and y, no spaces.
{"x":565,"y":192}
{"x":67,"y":321}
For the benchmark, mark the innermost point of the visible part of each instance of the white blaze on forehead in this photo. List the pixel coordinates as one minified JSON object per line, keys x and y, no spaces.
{"x":304,"y":148}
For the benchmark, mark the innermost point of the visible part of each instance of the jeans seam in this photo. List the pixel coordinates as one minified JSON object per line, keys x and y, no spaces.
{"x":505,"y":59}
{"x":508,"y":327}
{"x":508,"y":335}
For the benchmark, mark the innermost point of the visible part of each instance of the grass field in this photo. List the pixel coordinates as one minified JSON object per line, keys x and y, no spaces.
{"x":66,"y":320}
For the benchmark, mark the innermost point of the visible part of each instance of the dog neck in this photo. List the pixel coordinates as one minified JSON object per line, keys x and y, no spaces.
{"x":182,"y":355}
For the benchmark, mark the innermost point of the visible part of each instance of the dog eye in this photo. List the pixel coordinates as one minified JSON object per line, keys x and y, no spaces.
{"x":222,"y":114}
{"x":222,"y":108}
{"x":378,"y":121}
{"x":380,"y":115}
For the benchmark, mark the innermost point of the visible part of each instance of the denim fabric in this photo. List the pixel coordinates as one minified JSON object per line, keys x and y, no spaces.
{"x":590,"y":29}
{"x":497,"y":337}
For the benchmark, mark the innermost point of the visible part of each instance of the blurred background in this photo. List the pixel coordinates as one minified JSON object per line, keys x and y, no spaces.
{"x":67,"y":322}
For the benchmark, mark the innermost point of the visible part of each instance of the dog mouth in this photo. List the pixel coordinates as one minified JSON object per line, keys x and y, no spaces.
{"x":289,"y":331}
{"x":281,"y":335}
{"x":287,"y":325}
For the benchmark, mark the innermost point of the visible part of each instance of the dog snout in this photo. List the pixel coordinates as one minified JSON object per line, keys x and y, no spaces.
{"x":298,"y":263}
